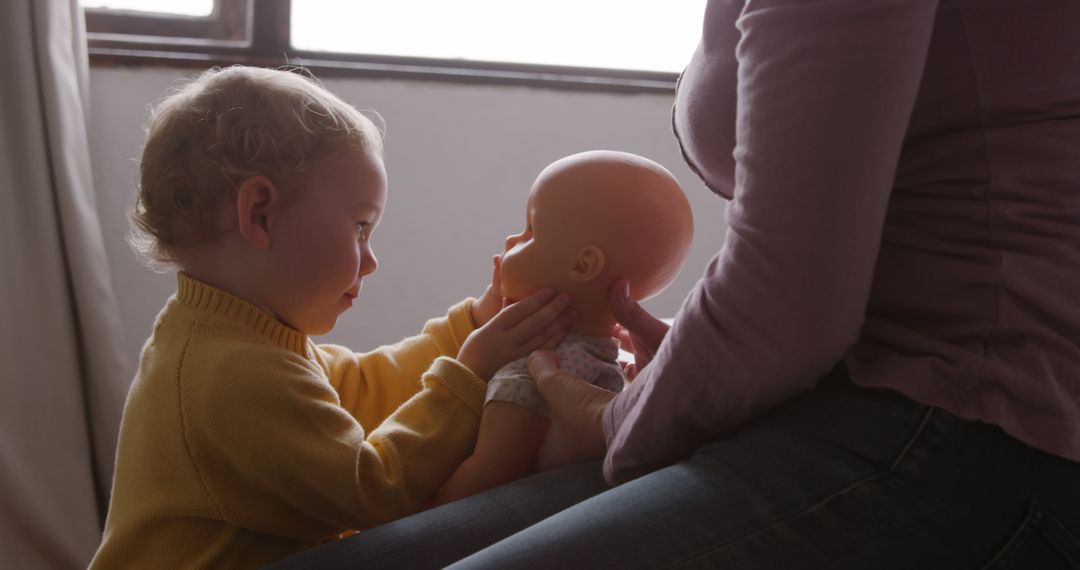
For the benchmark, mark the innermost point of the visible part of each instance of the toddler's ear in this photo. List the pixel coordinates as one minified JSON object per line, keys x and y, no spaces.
{"x":256,"y":198}
{"x":588,"y":265}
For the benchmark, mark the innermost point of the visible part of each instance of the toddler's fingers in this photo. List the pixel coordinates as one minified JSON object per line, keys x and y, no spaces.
{"x":496,"y":277}
{"x":554,"y":339}
{"x":524,"y":325}
{"x":566,"y":318}
{"x":553,"y":334}
{"x":550,"y":344}
{"x":515,"y":312}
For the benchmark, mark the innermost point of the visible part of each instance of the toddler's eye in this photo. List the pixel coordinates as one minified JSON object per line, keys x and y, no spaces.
{"x":362,"y":228}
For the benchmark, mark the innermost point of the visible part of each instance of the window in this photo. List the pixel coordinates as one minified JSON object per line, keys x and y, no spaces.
{"x":630,"y":45}
{"x":166,"y":21}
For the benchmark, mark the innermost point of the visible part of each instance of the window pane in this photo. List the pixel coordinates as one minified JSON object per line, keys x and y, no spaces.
{"x":653,"y":35}
{"x":177,"y":7}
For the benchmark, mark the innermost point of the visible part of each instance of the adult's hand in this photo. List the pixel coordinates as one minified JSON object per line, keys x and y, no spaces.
{"x":576,"y":433}
{"x":638,"y":332}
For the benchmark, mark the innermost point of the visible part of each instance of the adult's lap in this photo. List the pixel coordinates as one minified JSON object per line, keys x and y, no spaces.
{"x":842,"y":477}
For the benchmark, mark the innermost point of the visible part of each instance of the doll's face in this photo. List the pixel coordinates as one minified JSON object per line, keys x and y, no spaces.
{"x":530,"y":259}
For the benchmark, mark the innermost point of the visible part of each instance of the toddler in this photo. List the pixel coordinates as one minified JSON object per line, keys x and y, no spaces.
{"x":242,"y":441}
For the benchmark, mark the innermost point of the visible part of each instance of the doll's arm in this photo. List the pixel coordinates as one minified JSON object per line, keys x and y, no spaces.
{"x":509,"y":437}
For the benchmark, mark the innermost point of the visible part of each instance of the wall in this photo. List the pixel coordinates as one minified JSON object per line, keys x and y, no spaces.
{"x":460,"y":158}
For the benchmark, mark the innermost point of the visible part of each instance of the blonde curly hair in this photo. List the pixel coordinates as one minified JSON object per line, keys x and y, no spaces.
{"x":222,"y":127}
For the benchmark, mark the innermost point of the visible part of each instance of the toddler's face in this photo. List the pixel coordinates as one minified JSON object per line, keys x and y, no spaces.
{"x":323,"y":240}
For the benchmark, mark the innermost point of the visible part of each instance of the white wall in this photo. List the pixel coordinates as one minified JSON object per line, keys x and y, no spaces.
{"x":460,"y":159}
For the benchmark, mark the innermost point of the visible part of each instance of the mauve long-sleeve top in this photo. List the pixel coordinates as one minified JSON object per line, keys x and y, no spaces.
{"x":904,"y":178}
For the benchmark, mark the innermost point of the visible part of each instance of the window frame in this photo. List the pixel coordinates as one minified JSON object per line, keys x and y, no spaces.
{"x":257,"y":32}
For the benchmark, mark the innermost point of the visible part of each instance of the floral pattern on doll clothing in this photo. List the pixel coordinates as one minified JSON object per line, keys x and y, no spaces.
{"x":589,"y":358}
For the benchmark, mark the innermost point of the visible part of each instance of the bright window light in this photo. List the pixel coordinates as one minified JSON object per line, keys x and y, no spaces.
{"x":649,"y":35}
{"x":172,"y":7}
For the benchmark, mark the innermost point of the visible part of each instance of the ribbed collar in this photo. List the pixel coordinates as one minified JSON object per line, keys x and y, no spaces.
{"x":216,"y":303}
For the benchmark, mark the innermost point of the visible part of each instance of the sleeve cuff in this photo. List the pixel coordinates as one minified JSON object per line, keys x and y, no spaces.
{"x":460,"y":381}
{"x":461,"y":322}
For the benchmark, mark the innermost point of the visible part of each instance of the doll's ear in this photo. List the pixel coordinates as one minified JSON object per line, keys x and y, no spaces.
{"x":588,"y":265}
{"x":256,"y":202}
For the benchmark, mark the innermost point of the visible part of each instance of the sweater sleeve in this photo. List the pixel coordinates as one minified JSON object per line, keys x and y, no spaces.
{"x":372,"y":385}
{"x":824,"y":94}
{"x":278,"y":454}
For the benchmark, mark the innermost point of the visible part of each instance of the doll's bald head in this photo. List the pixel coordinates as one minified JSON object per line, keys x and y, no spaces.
{"x":597,"y":216}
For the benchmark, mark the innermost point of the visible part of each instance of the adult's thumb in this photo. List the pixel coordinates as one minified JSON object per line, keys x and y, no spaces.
{"x":566,"y":395}
{"x":550,"y":379}
{"x":635,"y":319}
{"x":576,"y":432}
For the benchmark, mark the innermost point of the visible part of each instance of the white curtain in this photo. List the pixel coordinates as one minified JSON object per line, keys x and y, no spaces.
{"x":61,"y":393}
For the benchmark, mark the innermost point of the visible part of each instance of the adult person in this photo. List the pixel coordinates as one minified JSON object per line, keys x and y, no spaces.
{"x":881,"y":366}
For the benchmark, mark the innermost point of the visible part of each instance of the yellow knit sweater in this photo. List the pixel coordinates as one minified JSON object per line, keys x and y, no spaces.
{"x":243,"y":442}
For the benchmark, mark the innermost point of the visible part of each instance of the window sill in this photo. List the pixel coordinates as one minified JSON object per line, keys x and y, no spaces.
{"x":109,"y":52}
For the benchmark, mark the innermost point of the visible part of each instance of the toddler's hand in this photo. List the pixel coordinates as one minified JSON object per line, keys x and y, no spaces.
{"x":491,"y":301}
{"x":536,"y":322}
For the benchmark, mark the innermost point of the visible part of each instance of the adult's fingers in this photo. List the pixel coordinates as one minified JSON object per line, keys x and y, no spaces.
{"x":576,"y":433}
{"x":626,"y":340}
{"x":636,"y":320}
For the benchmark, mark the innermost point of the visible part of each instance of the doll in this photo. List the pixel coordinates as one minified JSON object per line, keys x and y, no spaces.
{"x":591,"y":219}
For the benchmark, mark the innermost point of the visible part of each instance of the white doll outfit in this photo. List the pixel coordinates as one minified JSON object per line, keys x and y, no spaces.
{"x":589,"y":358}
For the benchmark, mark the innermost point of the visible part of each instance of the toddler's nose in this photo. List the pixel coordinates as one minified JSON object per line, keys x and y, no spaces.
{"x":368,"y":263}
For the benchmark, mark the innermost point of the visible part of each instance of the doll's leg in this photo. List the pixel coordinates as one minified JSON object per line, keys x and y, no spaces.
{"x":840,"y":478}
{"x":440,"y":536}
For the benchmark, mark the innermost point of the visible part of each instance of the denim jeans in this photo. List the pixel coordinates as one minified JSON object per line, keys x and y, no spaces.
{"x":840,"y":477}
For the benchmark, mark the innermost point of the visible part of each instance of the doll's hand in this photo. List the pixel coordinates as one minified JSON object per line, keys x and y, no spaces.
{"x":576,"y":433}
{"x":539,"y":321}
{"x":491,"y":301}
{"x":638,"y":332}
